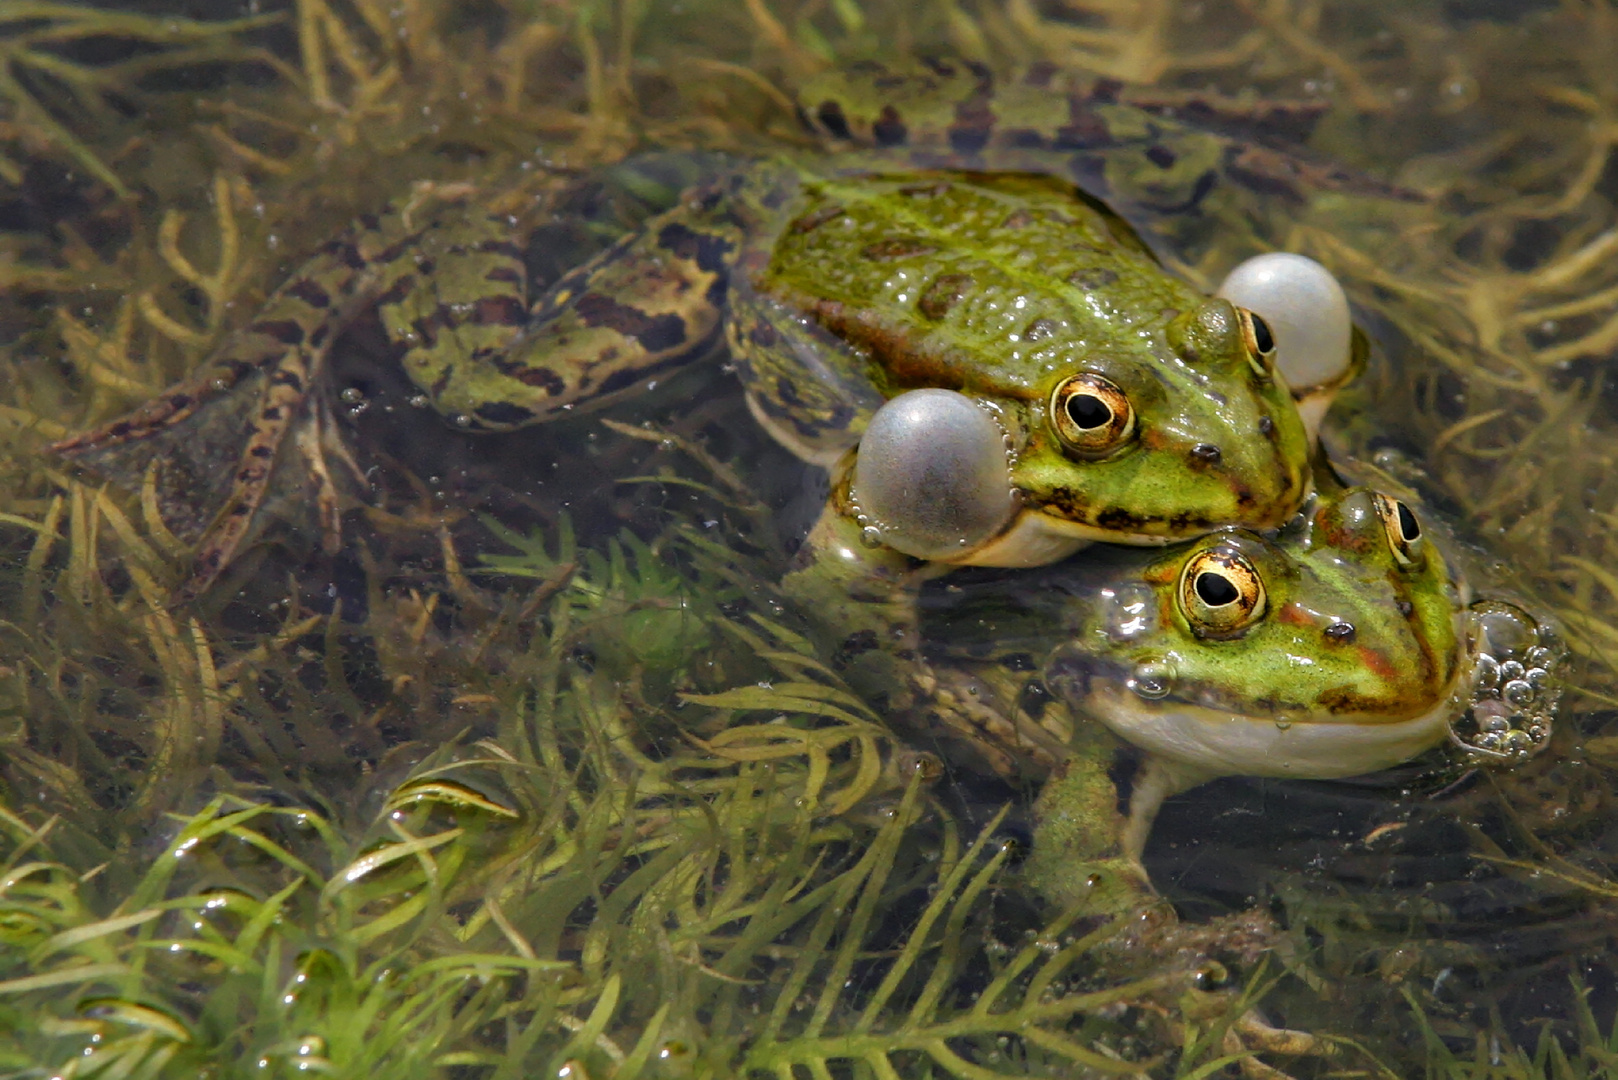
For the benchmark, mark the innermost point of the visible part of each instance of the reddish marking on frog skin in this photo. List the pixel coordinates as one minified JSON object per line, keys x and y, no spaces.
{"x":1294,"y":614}
{"x":1378,"y":664}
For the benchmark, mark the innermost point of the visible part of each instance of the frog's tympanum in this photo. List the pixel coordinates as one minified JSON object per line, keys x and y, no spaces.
{"x":1339,"y":645}
{"x":1028,"y":378}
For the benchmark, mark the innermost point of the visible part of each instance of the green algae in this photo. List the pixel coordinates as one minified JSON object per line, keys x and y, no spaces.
{"x":600,"y":812}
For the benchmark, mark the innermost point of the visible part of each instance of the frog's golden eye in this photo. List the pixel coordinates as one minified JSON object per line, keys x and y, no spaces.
{"x":1404,"y":531}
{"x":1259,"y":339}
{"x":1221,"y":593}
{"x":1091,"y":415}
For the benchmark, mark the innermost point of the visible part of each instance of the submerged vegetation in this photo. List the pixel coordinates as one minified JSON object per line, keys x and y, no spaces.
{"x":486,"y":798}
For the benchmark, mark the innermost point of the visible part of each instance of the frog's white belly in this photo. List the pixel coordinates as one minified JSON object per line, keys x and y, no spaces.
{"x":1216,"y":742}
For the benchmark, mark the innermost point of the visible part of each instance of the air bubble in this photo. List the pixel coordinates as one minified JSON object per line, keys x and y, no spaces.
{"x":1152,"y":680}
{"x":1306,"y":308}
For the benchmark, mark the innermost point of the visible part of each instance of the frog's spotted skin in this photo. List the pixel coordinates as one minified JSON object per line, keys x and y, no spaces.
{"x":1346,"y":643}
{"x":923,"y":261}
{"x":1153,"y":152}
{"x":1344,"y":648}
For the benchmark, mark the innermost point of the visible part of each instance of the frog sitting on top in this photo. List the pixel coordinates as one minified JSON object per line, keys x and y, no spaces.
{"x":1074,"y":390}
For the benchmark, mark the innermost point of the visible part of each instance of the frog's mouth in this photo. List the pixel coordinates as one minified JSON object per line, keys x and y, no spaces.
{"x":1220,"y":741}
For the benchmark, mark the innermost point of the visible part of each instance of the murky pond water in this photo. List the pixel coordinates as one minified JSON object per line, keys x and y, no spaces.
{"x":509,"y":754}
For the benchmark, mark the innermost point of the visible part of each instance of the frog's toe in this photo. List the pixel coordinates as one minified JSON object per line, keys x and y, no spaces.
{"x":1250,"y":1036}
{"x":1306,"y":309}
{"x":932,"y":475}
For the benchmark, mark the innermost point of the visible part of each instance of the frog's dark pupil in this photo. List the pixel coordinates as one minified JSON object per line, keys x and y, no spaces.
{"x":1261,"y":334}
{"x":1408,"y":528}
{"x":1088,"y":411}
{"x":1215,"y":591}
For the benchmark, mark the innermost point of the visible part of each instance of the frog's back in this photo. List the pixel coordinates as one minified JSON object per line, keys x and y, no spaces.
{"x":973,"y":281}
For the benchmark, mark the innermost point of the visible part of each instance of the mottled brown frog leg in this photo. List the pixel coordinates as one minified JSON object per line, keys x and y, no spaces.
{"x":282,"y":407}
{"x":644,"y":307}
{"x":1162,"y":151}
{"x":806,"y":387}
{"x":289,"y":340}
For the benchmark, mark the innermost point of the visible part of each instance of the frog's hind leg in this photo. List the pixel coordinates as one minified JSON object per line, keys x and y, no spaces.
{"x":282,"y":404}
{"x":646,"y":306}
{"x":256,"y":382}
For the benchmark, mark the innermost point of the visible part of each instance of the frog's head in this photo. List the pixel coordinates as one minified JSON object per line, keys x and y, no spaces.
{"x":1194,"y":431}
{"x":1333,"y":649}
{"x":1189,"y":430}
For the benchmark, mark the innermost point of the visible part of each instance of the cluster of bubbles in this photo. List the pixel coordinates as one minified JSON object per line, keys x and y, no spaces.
{"x":1516,"y":685}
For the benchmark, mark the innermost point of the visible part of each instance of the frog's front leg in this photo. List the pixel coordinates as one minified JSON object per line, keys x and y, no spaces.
{"x":1086,"y":851}
{"x":862,"y":597}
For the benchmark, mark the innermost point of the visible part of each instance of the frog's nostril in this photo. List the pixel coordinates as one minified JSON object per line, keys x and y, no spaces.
{"x":1206,"y":454}
{"x":1340,"y":633}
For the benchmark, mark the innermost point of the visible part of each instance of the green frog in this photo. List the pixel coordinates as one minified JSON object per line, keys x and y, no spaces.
{"x":1340,"y":644}
{"x":961,"y":290}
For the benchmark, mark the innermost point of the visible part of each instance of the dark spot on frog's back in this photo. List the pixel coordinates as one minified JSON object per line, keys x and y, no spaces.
{"x":1118,"y":519}
{"x":310,"y":292}
{"x":1339,"y":633}
{"x":501,"y":311}
{"x":974,"y":123}
{"x":542,"y":377}
{"x":344,"y":251}
{"x":707,"y":250}
{"x":655,"y":332}
{"x":1039,"y":74}
{"x":943,"y":293}
{"x":1039,"y":330}
{"x":899,"y":247}
{"x":285,"y":331}
{"x":504,"y":414}
{"x":812,"y":221}
{"x":889,"y":128}
{"x":1161,"y":156}
{"x":853,"y":645}
{"x":1084,"y":130}
{"x":830,"y":115}
{"x":763,"y":335}
{"x":1092,"y":277}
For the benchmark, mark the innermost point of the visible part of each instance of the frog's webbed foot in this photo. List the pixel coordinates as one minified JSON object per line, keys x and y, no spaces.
{"x":983,"y":715}
{"x":1210,"y":957}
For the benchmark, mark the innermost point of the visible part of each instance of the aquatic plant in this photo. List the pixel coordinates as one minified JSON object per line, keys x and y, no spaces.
{"x":551,"y":797}
{"x":771,"y":875}
{"x":49,"y":88}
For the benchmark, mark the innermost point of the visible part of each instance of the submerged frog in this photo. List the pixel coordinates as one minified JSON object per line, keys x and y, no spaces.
{"x":1086,"y":393}
{"x":1339,"y":645}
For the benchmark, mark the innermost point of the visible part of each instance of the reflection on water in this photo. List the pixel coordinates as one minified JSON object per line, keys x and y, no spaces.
{"x":538,"y":771}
